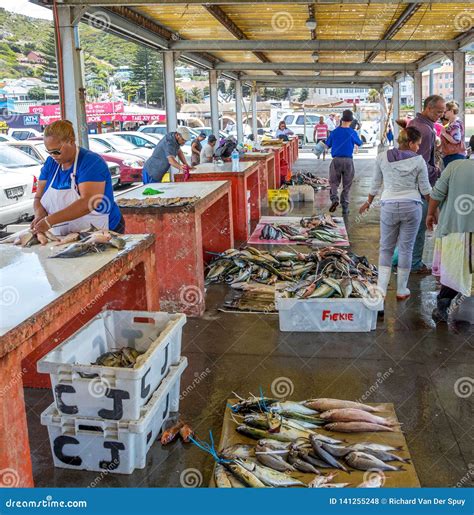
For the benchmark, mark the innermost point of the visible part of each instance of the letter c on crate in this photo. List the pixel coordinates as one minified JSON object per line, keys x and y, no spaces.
{"x":58,"y":446}
{"x":59,"y":389}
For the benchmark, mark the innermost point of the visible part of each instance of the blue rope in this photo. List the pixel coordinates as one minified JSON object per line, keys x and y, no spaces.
{"x":261,"y":403}
{"x":209,"y":448}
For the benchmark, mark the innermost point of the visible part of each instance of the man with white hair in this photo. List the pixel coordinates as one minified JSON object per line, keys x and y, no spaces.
{"x":165,"y":155}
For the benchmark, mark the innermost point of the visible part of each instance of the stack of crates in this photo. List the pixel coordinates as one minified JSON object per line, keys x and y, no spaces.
{"x":107,"y":418}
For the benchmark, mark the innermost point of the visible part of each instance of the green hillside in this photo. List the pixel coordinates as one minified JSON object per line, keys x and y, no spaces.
{"x":20,"y":34}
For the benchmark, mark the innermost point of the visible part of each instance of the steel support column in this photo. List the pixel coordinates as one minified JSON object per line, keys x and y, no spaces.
{"x":459,"y":82}
{"x":214,"y":102}
{"x":70,"y":71}
{"x":254,"y":112}
{"x":170,"y":91}
{"x":431,"y":83}
{"x":395,"y":108}
{"x":418,"y":91}
{"x":383,"y":116}
{"x":238,"y":111}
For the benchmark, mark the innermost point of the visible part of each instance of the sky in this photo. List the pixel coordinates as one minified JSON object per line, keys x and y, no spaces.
{"x":26,"y":8}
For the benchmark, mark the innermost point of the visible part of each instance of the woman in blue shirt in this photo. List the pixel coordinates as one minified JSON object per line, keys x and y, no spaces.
{"x":75,"y":189}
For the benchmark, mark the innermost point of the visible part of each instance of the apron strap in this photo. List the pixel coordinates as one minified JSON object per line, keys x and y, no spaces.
{"x":74,"y":170}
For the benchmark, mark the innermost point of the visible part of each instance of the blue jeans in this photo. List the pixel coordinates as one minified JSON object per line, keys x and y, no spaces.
{"x":399,"y":223}
{"x":147,"y":178}
{"x":417,"y":261}
{"x":451,"y":158}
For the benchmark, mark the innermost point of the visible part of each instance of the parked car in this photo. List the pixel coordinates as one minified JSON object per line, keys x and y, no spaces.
{"x":160,"y":129}
{"x":36,"y":149}
{"x":117,"y":144}
{"x":130,"y":165}
{"x":18,"y":185}
{"x":22,"y":134}
{"x":296,"y":123}
{"x":5,"y":137}
{"x":140,"y":139}
{"x":369,"y":132}
{"x":207,"y":131}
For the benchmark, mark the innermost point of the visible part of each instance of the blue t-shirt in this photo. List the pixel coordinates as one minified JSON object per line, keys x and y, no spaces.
{"x":90,"y":168}
{"x":342,"y":141}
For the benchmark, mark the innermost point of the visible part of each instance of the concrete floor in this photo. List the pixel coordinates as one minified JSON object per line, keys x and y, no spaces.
{"x":241,"y":352}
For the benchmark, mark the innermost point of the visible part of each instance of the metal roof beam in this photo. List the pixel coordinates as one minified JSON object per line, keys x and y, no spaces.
{"x":293,"y":78}
{"x":225,"y":21}
{"x":431,"y":61}
{"x":379,"y":67}
{"x":240,"y":2}
{"x":328,"y":45}
{"x":315,"y":84}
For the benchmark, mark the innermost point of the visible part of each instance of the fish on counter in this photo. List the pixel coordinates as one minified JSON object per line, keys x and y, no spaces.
{"x":94,"y":242}
{"x":28,"y":238}
{"x":158,"y":202}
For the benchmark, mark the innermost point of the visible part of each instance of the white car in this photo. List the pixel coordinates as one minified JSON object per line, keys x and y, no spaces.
{"x":18,"y":184}
{"x":22,"y":134}
{"x":160,"y":129}
{"x":5,"y":137}
{"x":369,"y":133}
{"x":140,"y":139}
{"x":296,"y":123}
{"x":36,"y":149}
{"x":117,"y":144}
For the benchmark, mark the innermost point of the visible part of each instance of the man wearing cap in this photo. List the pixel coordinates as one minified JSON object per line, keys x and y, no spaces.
{"x":165,"y":155}
{"x":196,"y":148}
{"x":341,"y":141}
{"x":207,"y":152}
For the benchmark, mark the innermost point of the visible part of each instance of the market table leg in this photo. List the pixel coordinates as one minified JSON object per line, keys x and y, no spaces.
{"x":271,"y":175}
{"x":217,"y":229}
{"x":263,"y":174}
{"x":15,"y":460}
{"x":253,"y":187}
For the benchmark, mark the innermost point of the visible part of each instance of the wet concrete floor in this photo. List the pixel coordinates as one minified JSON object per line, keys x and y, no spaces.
{"x":426,"y":371}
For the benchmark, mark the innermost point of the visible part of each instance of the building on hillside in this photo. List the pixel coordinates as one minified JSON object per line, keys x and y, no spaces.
{"x":35,"y":58}
{"x":351,"y":95}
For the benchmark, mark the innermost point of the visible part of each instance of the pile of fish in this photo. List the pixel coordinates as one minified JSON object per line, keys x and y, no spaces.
{"x":80,"y":243}
{"x":289,"y":440}
{"x":309,"y":179}
{"x":311,"y":230}
{"x":126,"y":357}
{"x":157,"y":202}
{"x":326,"y":272}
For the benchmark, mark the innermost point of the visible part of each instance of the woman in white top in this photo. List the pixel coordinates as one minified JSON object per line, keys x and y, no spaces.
{"x":404,"y":176}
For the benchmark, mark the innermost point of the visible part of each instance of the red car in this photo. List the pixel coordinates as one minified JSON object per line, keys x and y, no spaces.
{"x":131,"y":166}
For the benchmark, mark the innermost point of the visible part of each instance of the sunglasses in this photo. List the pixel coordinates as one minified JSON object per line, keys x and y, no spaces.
{"x":55,"y":152}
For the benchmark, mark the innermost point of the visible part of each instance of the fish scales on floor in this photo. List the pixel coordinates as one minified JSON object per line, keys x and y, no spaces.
{"x":289,"y":441}
{"x":328,"y":272}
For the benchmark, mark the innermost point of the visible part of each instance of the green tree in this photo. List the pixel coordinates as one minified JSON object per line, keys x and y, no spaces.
{"x":49,"y":69}
{"x":373,"y":95}
{"x":37,"y":93}
{"x":303,"y":95}
{"x":180,"y":97}
{"x":147,"y":73}
{"x":195,"y":95}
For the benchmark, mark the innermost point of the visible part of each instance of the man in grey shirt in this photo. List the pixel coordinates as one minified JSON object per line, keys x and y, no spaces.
{"x":207,"y":152}
{"x":165,"y":155}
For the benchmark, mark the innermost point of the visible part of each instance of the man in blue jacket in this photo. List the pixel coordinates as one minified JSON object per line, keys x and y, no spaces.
{"x":342,"y":141}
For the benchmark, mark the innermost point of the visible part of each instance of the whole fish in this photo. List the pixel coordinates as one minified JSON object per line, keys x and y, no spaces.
{"x":338,"y":451}
{"x":355,"y":415}
{"x":220,"y":477}
{"x":244,"y":475}
{"x":381,"y":455}
{"x":300,"y":464}
{"x":380,"y":446}
{"x":266,"y":456}
{"x":270,"y":477}
{"x":357,"y":427}
{"x":313,"y":420}
{"x":252,"y":403}
{"x":257,"y":434}
{"x":238,"y":450}
{"x":308,"y":456}
{"x":324,"y":455}
{"x":326,"y":404}
{"x":294,"y":407}
{"x":364,"y":461}
{"x":170,"y":434}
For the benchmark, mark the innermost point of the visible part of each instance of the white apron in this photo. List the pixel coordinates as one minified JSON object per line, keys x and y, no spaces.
{"x":54,"y":200}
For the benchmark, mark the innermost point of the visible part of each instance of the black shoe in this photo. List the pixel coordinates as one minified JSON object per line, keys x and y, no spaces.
{"x":333,"y":206}
{"x":440,"y":313}
{"x":381,"y":314}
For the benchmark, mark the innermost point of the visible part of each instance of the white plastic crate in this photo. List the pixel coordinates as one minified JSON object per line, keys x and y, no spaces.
{"x":119,"y":447}
{"x":327,"y":315}
{"x":113,"y":393}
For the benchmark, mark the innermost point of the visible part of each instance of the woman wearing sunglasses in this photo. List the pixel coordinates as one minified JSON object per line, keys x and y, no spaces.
{"x":74,"y":189}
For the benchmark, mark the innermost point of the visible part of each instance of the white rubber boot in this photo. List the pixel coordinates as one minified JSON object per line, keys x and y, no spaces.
{"x":384,"y":278}
{"x":402,"y":280}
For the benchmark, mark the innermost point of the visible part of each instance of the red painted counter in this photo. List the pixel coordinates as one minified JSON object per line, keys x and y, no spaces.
{"x":183,"y":235}
{"x":46,"y":306}
{"x":245,"y":183}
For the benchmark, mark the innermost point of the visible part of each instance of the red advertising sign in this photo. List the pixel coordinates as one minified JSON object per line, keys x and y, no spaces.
{"x":94,"y":108}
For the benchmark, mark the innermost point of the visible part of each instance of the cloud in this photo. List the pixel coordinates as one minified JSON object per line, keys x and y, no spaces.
{"x":28,"y":9}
